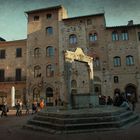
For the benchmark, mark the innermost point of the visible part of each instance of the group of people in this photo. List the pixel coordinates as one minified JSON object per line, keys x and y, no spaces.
{"x":122,"y":101}
{"x":35,"y":107}
{"x":119,"y":100}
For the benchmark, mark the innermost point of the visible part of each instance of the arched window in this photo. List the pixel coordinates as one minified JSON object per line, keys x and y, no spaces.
{"x":117,"y":61}
{"x":37,"y":52}
{"x":49,"y":71}
{"x":73,"y":84}
{"x":50,"y":51}
{"x":115,"y":36}
{"x":36,"y":94}
{"x":129,"y":60}
{"x":73,"y":39}
{"x":73,"y":87}
{"x":49,"y":30}
{"x":93,"y":37}
{"x":124,"y":35}
{"x":37,"y":71}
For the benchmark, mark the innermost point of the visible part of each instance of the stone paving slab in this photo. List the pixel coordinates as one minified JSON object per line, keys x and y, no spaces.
{"x":11,"y":129}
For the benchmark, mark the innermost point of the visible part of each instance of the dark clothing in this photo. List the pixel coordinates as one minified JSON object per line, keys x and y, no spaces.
{"x":133,"y":102}
{"x":109,"y":101}
{"x":118,"y":100}
{"x":18,"y":109}
{"x":34,"y":108}
{"x":4,"y":110}
{"x":102,"y":100}
{"x":27,"y":107}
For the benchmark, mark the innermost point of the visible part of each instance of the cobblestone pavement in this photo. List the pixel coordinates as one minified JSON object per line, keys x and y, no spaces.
{"x":11,"y":128}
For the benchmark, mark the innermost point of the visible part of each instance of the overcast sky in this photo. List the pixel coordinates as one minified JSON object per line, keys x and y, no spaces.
{"x":13,"y":22}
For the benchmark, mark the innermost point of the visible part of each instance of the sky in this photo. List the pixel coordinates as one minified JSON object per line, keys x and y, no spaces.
{"x":13,"y":21}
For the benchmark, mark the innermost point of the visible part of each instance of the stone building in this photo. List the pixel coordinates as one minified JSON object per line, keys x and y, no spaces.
{"x":115,"y":51}
{"x":12,"y":69}
{"x":51,"y":33}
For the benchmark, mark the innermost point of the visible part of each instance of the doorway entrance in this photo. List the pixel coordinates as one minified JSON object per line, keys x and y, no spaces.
{"x":130,"y":91}
{"x":49,"y":96}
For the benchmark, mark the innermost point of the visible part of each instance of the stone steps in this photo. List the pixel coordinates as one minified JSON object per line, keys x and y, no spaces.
{"x":80,"y":119}
{"x":81,"y":125}
{"x":75,"y":122}
{"x":54,"y":131}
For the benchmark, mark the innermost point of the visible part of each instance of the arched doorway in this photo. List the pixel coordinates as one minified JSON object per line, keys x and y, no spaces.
{"x":97,"y":85}
{"x":130,"y":91}
{"x":36,"y":94}
{"x":49,"y":96}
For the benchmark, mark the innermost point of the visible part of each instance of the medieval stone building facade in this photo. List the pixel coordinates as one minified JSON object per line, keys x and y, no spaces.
{"x":12,"y":69}
{"x":115,"y":52}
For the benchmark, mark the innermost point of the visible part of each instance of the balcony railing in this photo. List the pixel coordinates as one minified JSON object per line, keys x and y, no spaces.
{"x":13,"y":79}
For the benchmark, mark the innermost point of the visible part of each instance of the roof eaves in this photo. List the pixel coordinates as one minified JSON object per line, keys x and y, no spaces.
{"x":123,"y":26}
{"x":84,"y":16}
{"x":44,"y":9}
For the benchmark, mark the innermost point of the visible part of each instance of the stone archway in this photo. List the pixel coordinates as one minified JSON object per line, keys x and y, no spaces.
{"x":130,"y":91}
{"x":88,"y":97}
{"x":49,"y":96}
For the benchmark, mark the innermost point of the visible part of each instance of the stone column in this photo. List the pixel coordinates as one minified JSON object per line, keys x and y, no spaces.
{"x":68,"y":83}
{"x":12,"y":96}
{"x":94,"y":99}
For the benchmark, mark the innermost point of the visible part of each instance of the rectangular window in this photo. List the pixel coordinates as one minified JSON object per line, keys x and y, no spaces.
{"x":2,"y":75}
{"x":116,"y":79}
{"x":49,"y":16}
{"x":18,"y":75}
{"x":89,"y":21}
{"x":2,"y":54}
{"x":139,"y":36}
{"x":36,"y":18}
{"x":18,"y":52}
{"x":124,"y":36}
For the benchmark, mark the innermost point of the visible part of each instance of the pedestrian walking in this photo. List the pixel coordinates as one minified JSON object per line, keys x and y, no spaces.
{"x":4,"y":109}
{"x":34,"y":107}
{"x":27,"y":106}
{"x":17,"y":108}
{"x":20,"y":107}
{"x":41,"y":104}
